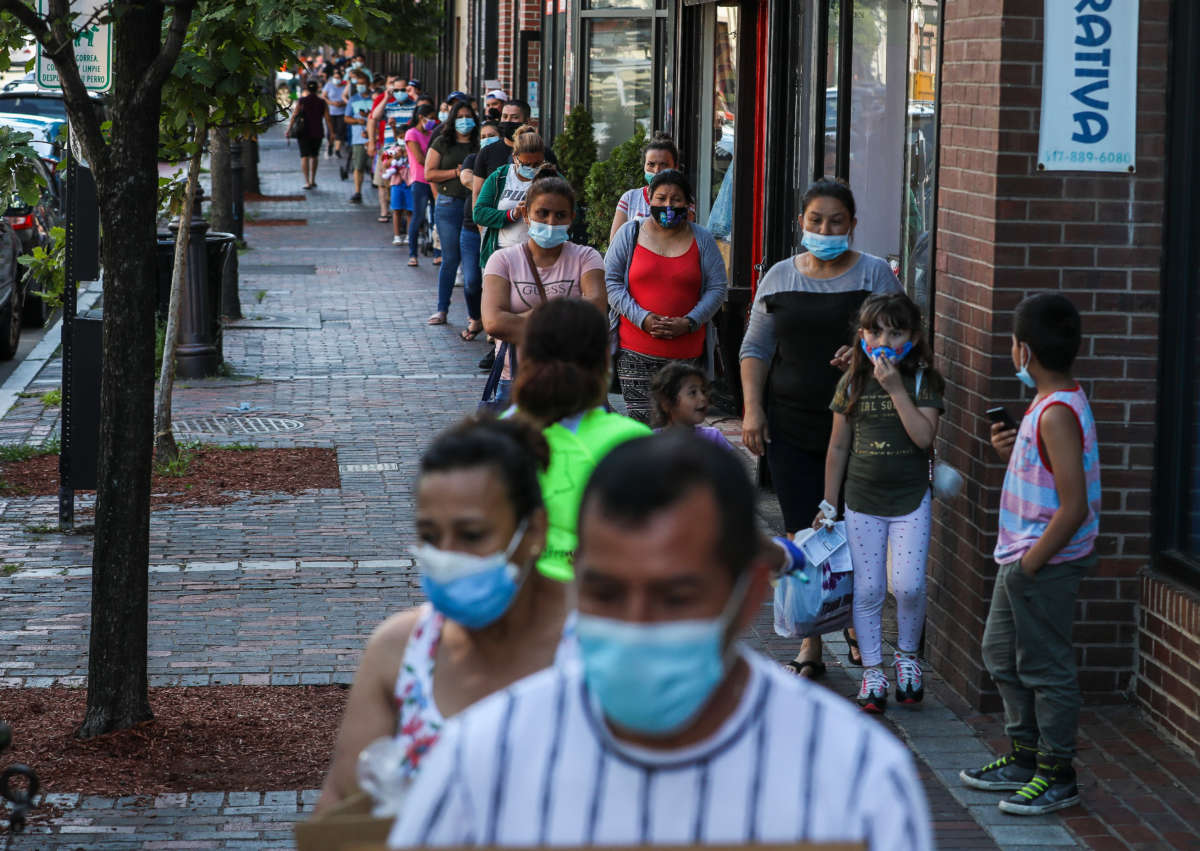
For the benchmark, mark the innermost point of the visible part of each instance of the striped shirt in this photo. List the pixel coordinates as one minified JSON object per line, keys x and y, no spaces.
{"x":536,"y":765}
{"x":1029,"y":498}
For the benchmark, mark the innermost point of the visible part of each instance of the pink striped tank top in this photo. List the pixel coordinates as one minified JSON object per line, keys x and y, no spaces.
{"x":1029,"y":499}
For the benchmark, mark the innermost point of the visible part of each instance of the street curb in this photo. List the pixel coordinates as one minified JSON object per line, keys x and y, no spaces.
{"x":23,"y":375}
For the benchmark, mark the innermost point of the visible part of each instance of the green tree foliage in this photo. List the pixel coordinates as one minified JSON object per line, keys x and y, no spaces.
{"x":18,"y":177}
{"x":575,"y":147}
{"x":410,"y":26}
{"x":607,"y":181}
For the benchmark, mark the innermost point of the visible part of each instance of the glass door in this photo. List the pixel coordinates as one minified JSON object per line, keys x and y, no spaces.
{"x":721,"y":30}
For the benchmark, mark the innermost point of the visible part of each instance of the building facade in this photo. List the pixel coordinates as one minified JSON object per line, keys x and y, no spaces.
{"x":931,"y":111}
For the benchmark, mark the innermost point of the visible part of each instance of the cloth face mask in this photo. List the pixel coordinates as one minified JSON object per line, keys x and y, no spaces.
{"x":886,"y":351}
{"x":669,"y":217}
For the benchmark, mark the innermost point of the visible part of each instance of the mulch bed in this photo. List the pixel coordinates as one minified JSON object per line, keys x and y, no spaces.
{"x":271,"y":223}
{"x":213,"y":476}
{"x":254,"y":196}
{"x":202,"y":739}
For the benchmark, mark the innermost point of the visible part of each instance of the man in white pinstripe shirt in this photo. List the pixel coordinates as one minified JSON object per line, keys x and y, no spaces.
{"x":666,"y":731}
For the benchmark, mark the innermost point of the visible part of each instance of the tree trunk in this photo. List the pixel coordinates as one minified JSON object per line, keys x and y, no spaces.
{"x":165,"y":449}
{"x":220,"y":202}
{"x":127,"y":187}
{"x":250,"y":163}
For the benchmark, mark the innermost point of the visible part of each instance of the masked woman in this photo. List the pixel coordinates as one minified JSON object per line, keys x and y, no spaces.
{"x":666,"y":278}
{"x":492,"y":617}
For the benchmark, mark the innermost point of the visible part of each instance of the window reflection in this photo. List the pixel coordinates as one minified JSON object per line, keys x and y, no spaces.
{"x":831,"y":90}
{"x":921,"y":153}
{"x":877,"y":103}
{"x":724,"y":93}
{"x":619,"y":85}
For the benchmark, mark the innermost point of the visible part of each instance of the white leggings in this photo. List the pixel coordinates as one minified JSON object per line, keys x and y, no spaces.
{"x":869,"y":537}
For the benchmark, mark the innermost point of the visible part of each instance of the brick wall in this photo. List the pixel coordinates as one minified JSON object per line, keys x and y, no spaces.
{"x":1168,"y":673}
{"x":1004,"y":231}
{"x":508,"y":41}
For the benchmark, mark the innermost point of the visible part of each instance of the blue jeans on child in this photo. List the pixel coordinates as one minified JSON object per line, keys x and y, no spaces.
{"x":448,"y":216}
{"x":469,"y":242}
{"x":421,"y":196}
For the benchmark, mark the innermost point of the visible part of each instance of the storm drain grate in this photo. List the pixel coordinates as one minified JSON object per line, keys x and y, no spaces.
{"x":234,"y":426}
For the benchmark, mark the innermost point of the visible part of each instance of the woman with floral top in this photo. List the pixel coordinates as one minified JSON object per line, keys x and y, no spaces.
{"x":492,"y":618}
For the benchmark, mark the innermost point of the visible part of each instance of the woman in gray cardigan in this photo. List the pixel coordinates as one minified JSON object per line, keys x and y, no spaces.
{"x":666,"y":280}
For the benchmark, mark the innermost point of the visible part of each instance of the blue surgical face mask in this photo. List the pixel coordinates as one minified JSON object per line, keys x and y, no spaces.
{"x":443,"y":115}
{"x":464,"y":125}
{"x":826,"y":247}
{"x":653,"y":678}
{"x":472,"y":590}
{"x":527,"y":171}
{"x":649,"y":175}
{"x":548,"y":236}
{"x":487,"y":140}
{"x":886,"y":351}
{"x":361,"y":88}
{"x":1023,"y":374}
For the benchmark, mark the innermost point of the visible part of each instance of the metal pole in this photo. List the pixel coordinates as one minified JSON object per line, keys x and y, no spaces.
{"x":66,"y":492}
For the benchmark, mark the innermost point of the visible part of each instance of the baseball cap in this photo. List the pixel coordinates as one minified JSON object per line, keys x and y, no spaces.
{"x":416,"y":84}
{"x":499,"y":94}
{"x":455,"y":95}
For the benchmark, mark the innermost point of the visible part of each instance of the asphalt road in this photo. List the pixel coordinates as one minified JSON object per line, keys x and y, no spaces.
{"x":29,"y":338}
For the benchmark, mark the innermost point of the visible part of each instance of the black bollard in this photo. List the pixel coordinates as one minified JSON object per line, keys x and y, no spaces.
{"x":239,"y":202}
{"x":196,"y":355}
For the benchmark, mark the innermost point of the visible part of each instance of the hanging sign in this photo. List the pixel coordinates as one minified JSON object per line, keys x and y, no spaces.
{"x":1089,"y":86}
{"x":93,"y":48}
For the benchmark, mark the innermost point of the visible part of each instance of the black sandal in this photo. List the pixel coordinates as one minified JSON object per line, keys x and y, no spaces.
{"x":857,"y":663}
{"x":799,"y":666}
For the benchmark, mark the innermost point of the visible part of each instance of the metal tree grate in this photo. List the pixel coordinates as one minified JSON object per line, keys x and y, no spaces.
{"x":234,"y":426}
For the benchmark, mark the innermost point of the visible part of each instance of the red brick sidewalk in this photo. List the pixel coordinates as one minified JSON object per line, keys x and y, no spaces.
{"x":1139,"y":791}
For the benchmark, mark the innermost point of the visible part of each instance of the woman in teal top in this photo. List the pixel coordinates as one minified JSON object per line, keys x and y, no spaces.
{"x":562,"y":385}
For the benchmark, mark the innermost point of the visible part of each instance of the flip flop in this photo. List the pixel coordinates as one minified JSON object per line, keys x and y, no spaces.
{"x":384,"y":219}
{"x":467,"y":335}
{"x":857,"y":663}
{"x":438,"y":318}
{"x":412,"y":261}
{"x":798,"y":667}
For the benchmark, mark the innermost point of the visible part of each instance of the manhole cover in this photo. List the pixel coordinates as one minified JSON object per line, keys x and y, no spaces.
{"x":234,"y":426}
{"x":281,"y":269}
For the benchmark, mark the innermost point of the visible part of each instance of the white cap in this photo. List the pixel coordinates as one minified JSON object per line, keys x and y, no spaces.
{"x":499,"y":94}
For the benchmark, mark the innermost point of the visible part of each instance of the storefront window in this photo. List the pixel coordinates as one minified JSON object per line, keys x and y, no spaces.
{"x":832,"y":51}
{"x":619,"y":80}
{"x":920,"y":161}
{"x":877,"y":107}
{"x":716,"y":207}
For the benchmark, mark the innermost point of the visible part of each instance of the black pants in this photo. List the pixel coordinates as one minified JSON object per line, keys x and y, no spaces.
{"x":799,"y":479}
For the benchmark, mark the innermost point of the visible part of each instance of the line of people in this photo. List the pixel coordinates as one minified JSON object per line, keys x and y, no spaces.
{"x":641,"y":679}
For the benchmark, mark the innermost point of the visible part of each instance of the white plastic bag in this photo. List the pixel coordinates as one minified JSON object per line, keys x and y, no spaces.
{"x":818,"y":597}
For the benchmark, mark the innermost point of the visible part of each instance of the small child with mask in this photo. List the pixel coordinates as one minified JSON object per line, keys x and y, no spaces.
{"x":885,"y":416}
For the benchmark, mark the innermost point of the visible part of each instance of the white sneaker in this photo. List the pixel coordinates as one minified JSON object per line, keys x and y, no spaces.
{"x":909,"y":689}
{"x":398,"y":240}
{"x":458,"y":278}
{"x":872,"y":696}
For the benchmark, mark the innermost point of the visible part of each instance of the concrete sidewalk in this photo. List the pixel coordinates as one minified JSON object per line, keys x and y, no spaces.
{"x":334,"y":351}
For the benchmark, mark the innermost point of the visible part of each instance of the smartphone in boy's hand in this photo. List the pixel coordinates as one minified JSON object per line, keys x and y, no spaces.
{"x":1004,"y":430}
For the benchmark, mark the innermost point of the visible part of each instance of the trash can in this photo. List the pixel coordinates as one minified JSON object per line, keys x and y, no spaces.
{"x":87,"y":360}
{"x":222,"y":265}
{"x":221,"y":250}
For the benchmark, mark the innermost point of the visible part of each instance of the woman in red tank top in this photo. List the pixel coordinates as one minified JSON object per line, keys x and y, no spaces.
{"x":666,"y":279}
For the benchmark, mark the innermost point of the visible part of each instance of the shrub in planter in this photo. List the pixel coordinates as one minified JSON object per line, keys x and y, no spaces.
{"x":607,"y":181}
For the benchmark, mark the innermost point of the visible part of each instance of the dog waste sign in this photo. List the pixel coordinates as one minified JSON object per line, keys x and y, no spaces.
{"x":93,"y":48}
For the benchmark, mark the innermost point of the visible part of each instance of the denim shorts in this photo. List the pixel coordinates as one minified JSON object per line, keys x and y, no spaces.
{"x":401,"y":197}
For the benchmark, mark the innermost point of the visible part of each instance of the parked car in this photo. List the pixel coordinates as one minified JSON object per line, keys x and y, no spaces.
{"x":49,"y":134}
{"x":21,"y":97}
{"x":32,"y":225}
{"x":12,"y":292}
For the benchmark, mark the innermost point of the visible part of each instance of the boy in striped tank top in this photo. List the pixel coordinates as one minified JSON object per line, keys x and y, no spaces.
{"x":1049,"y":517}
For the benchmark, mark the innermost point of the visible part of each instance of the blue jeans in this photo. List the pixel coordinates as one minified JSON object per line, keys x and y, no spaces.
{"x":448,"y":216}
{"x":469,"y":241}
{"x":421,"y":196}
